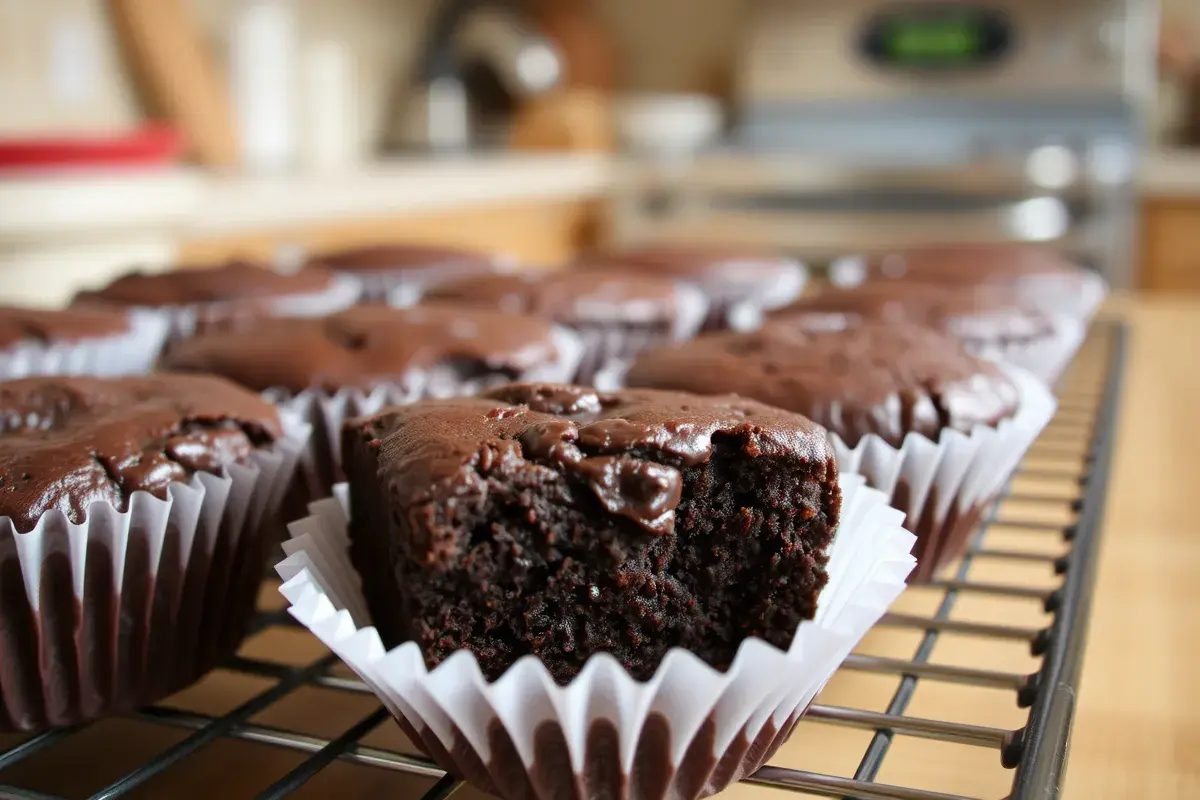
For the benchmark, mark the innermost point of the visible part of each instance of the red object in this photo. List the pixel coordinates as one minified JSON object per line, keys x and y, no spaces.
{"x":149,"y":145}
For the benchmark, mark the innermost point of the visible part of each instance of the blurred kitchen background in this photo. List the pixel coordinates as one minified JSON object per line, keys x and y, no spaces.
{"x":168,"y":133}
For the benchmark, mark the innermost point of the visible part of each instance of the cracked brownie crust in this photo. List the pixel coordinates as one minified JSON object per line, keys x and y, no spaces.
{"x":67,"y":443}
{"x":886,"y":380}
{"x":560,"y":522}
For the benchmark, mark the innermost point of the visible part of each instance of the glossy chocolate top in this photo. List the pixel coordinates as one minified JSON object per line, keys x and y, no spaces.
{"x":401,"y":257}
{"x":888,"y":380}
{"x":71,"y":442}
{"x":612,"y":441}
{"x":235,"y":280}
{"x":49,"y":327}
{"x":367,"y":345}
{"x":568,"y":296}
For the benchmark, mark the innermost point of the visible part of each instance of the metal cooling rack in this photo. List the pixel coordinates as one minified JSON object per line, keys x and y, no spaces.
{"x":197,"y":750}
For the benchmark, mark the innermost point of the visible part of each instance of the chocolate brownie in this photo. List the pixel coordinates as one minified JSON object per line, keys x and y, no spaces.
{"x":1030,"y":275}
{"x":401,"y":258}
{"x":745,"y":265}
{"x":738,"y":283}
{"x":978,"y":319}
{"x":561,"y":522}
{"x":367,"y":345}
{"x":71,"y":442}
{"x":887,"y":380}
{"x":232,"y":281}
{"x":570,"y":297}
{"x":50,"y":327}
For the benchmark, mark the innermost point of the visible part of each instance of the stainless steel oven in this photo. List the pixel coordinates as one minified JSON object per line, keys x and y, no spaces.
{"x":878,"y":123}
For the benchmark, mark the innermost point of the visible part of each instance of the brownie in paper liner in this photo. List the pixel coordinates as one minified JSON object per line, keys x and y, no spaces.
{"x":185,"y":321}
{"x":604,"y":345}
{"x":687,"y":732}
{"x":1046,"y":356}
{"x":943,"y":486}
{"x":320,"y":464}
{"x":131,"y":353}
{"x":127,"y":607}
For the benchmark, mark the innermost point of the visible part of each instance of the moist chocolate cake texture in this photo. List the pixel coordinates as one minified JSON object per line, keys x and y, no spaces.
{"x":71,"y":442}
{"x":870,"y":378}
{"x":561,"y":522}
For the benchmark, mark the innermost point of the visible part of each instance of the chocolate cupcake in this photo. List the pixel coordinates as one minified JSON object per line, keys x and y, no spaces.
{"x":618,"y":581}
{"x":401,"y":274}
{"x":135,"y":521}
{"x":1030,"y":276}
{"x":76,"y":342}
{"x":936,"y":428}
{"x":740,"y":284}
{"x":989,"y":324}
{"x":224,"y":296}
{"x":355,"y":361}
{"x":615,"y":315}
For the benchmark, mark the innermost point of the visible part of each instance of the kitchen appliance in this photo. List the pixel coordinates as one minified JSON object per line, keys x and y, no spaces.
{"x":481,"y":59}
{"x":868,"y":124}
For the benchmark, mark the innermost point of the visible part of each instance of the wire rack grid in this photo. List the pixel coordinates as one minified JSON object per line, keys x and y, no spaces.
{"x":965,"y":690}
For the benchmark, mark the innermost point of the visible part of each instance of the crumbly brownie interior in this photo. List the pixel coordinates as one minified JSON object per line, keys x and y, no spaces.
{"x":524,"y":557}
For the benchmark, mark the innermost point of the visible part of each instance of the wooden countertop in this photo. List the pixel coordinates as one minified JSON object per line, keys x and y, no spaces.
{"x":1137,"y":726}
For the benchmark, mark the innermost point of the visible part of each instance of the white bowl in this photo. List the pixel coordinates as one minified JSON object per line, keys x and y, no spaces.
{"x":668,"y":123}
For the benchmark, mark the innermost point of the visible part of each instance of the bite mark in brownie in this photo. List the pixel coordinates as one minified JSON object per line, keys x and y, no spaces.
{"x":68,"y":442}
{"x":561,"y":522}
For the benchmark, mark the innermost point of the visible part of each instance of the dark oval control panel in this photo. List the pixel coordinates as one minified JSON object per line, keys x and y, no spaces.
{"x":938,"y":36}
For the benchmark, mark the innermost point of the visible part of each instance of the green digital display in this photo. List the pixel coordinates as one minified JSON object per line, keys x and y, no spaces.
{"x":938,"y":36}
{"x":929,"y":40}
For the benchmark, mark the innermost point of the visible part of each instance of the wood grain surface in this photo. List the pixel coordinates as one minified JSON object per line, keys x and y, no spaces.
{"x":1137,"y":727}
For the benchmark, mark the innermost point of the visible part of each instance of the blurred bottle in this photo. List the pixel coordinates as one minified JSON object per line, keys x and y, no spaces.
{"x":262,"y":70}
{"x":329,"y":121}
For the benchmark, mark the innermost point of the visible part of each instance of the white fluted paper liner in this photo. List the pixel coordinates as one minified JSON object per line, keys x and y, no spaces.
{"x":184,"y":321}
{"x":708,"y":714}
{"x":131,"y":353}
{"x":942,"y":485}
{"x":320,"y":465}
{"x":128,"y":606}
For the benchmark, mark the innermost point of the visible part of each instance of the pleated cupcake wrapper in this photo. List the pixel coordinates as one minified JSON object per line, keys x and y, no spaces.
{"x":687,"y":732}
{"x":405,"y":286}
{"x":129,"y":606}
{"x":185,"y":321}
{"x":320,"y":465}
{"x":1045,"y":357}
{"x":943,"y":486}
{"x":741,"y":307}
{"x":130,"y":353}
{"x":621,"y":340}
